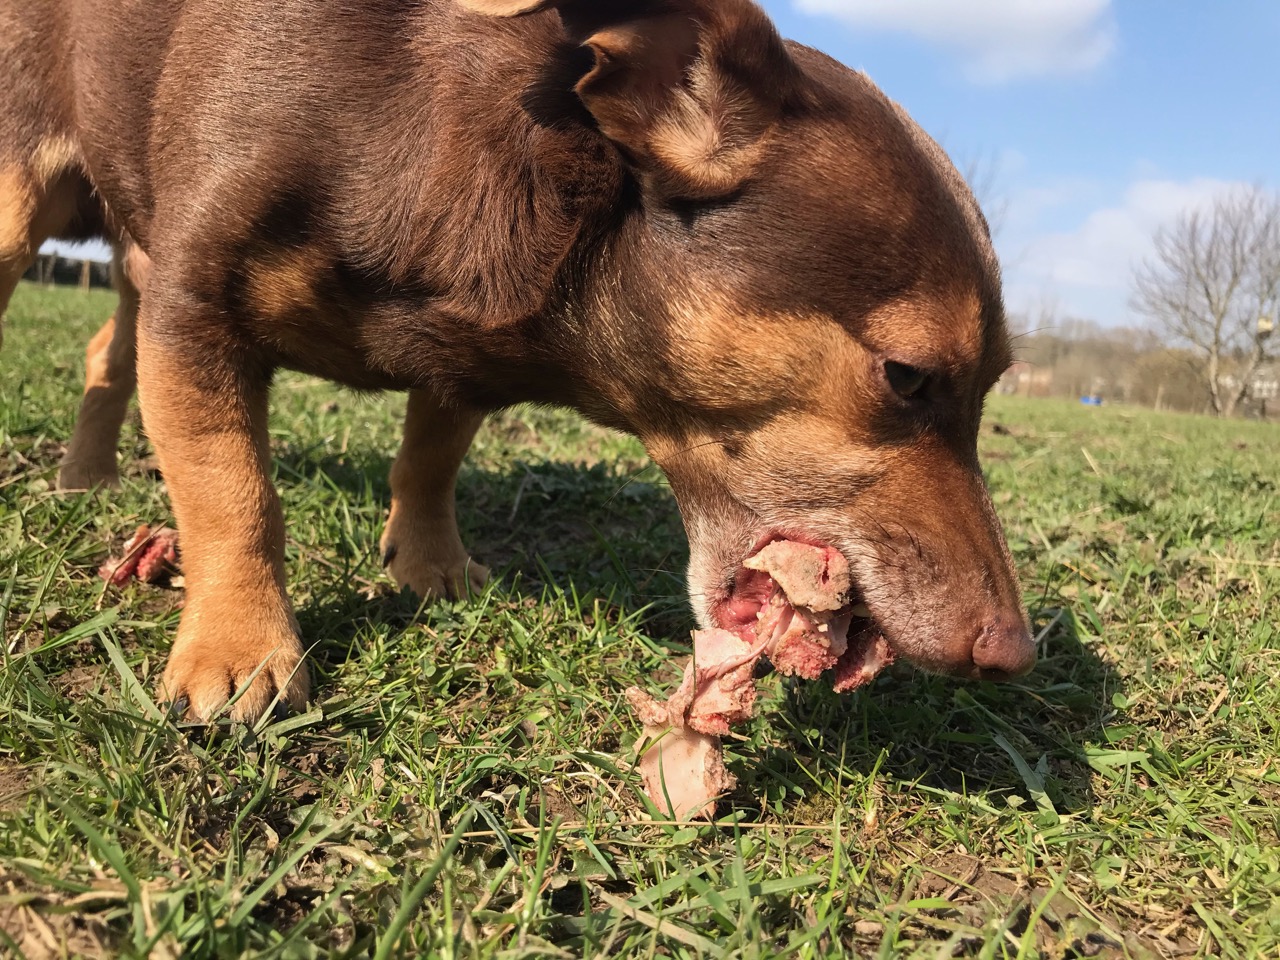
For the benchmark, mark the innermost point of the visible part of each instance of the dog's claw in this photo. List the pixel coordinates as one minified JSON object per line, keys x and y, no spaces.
{"x":280,"y":712}
{"x":389,"y":554}
{"x":178,"y":708}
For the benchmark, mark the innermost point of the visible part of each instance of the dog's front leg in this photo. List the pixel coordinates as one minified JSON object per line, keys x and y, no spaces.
{"x":421,"y":547}
{"x":204,"y":406}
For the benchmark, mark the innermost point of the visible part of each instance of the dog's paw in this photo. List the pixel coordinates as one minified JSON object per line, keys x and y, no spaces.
{"x":206,"y":672}
{"x":437,"y":568}
{"x":79,"y":475}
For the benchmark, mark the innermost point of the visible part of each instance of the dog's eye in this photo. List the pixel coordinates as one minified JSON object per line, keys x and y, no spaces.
{"x":906,"y":381}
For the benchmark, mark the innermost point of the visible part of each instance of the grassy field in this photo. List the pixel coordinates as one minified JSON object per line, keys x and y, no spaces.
{"x":461,"y":786}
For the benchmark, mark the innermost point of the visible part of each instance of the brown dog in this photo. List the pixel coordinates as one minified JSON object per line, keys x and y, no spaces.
{"x":653,"y":211}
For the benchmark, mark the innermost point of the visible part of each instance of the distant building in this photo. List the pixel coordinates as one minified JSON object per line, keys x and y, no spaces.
{"x":1262,"y":399}
{"x":1265,"y":384}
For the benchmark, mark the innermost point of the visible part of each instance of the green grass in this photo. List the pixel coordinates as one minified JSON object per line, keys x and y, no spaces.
{"x":461,"y":787}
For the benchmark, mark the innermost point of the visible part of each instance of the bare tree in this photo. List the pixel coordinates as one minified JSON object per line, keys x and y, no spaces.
{"x":1214,"y":277}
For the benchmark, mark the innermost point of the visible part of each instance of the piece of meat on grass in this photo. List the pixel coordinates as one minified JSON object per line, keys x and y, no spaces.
{"x":151,"y":557}
{"x":682,"y":766}
{"x":159,"y":558}
{"x":682,"y":770}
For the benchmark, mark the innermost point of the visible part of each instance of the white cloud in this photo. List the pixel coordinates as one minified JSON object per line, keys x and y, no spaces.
{"x":1087,"y":270}
{"x":1027,"y":207}
{"x":997,"y":39}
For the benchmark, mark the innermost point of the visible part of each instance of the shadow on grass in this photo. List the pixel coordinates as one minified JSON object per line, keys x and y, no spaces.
{"x":598,"y":533}
{"x":954,"y":737}
{"x":591,"y":529}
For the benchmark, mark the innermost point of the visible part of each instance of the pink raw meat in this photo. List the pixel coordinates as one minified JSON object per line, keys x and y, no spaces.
{"x":148,"y":556}
{"x":868,"y":654}
{"x":803,"y":627}
{"x":684,"y":762}
{"x":805,"y":624}
{"x":679,"y":763}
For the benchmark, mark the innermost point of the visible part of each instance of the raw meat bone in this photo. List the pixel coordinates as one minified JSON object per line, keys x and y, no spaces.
{"x":682,"y":767}
{"x":816,"y":578}
{"x":802,"y":627}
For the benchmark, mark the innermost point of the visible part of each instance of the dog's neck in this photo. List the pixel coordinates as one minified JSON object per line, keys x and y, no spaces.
{"x":480,"y":169}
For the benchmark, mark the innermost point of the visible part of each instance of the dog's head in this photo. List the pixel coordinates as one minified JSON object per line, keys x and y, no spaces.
{"x":804,"y":316}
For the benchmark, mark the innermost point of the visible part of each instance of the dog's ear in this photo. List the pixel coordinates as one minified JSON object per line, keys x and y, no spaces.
{"x":687,"y":89}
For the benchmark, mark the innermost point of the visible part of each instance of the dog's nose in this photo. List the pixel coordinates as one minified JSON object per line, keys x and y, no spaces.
{"x":1004,"y":649}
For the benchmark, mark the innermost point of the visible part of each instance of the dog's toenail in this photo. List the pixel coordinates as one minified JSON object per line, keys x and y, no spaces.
{"x":389,"y":554}
{"x":280,"y":712}
{"x":179,"y":707}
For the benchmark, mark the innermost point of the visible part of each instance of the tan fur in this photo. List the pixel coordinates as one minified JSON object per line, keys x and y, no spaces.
{"x":52,"y":157}
{"x":725,"y":379}
{"x":420,"y":546}
{"x":282,"y":285}
{"x":17,"y":208}
{"x":504,"y":8}
{"x":34,"y":202}
{"x":932,"y":332}
{"x":654,"y":91}
{"x":110,"y":379}
{"x":712,"y":136}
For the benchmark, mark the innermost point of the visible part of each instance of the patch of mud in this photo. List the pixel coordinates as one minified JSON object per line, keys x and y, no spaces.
{"x":78,"y":680}
{"x":15,"y":784}
{"x":1063,"y":927}
{"x":41,"y":931}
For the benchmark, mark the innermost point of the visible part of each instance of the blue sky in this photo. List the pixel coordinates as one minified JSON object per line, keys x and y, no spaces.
{"x":1094,"y":121}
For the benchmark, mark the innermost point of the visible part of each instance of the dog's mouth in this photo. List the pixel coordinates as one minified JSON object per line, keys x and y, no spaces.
{"x":797,"y":604}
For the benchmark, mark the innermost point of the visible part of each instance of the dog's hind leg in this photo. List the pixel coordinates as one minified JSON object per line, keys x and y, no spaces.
{"x":110,"y":378}
{"x":42,"y":193}
{"x":420,"y":546}
{"x":17,"y":219}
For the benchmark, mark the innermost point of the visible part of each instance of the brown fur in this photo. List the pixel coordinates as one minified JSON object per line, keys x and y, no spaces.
{"x":654,"y":211}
